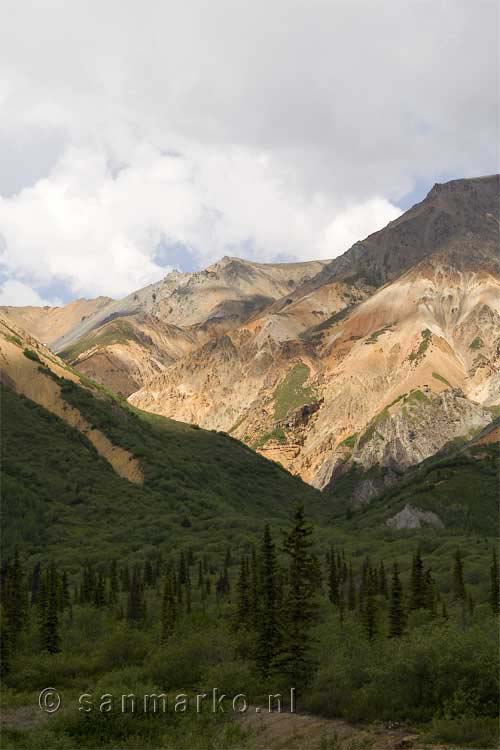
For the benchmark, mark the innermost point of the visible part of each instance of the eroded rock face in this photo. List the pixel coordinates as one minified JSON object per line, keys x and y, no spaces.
{"x":378,"y":358}
{"x":411,"y":517}
{"x":299,"y":417}
{"x":428,"y":338}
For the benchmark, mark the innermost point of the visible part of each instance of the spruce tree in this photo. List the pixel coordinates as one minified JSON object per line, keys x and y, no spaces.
{"x":15,"y":602}
{"x":49,"y":607}
{"x":351,"y":589}
{"x":136,"y":604}
{"x":125,"y":578}
{"x":243,"y":602}
{"x":148,"y":574}
{"x":458,"y":585}
{"x":182,"y":569}
{"x":430,"y":592}
{"x":5,"y":649}
{"x":333,"y":581}
{"x":65,"y":597}
{"x":369,"y":610}
{"x":268,"y":632}
{"x":168,"y":610}
{"x":254,"y":586}
{"x":341,"y":604}
{"x":113,"y":583}
{"x":494,"y":585}
{"x":382,"y":580}
{"x":300,"y":608}
{"x":100,"y":591}
{"x":418,"y":598}
{"x":35,"y":582}
{"x":397,"y":618}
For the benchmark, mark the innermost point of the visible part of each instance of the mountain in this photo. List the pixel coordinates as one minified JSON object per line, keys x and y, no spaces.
{"x":86,"y":476}
{"x":347,"y":372}
{"x":123,"y":343}
{"x":456,"y":488}
{"x":387,"y":355}
{"x":48,"y":324}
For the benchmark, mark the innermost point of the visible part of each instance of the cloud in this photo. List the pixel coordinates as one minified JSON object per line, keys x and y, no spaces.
{"x":274,"y":130}
{"x":14,"y":292}
{"x":102,"y":230}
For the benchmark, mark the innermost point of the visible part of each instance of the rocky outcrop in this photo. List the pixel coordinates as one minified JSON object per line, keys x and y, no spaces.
{"x":414,"y":518}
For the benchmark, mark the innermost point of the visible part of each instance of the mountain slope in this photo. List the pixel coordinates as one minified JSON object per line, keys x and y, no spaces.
{"x":123,"y":343}
{"x":91,"y":477}
{"x":306,"y":380}
{"x":455,"y":488}
{"x":48,"y":324}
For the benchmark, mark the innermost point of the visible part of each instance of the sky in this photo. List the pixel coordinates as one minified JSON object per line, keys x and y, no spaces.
{"x":137,"y":137}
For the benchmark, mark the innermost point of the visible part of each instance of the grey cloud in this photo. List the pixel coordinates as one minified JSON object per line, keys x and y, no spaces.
{"x":333,"y":103}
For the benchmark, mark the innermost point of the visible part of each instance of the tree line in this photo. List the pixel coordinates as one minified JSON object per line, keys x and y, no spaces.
{"x":275,"y":596}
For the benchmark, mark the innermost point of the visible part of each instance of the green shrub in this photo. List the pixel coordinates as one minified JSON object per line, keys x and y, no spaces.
{"x":30,"y":354}
{"x":184,"y":660}
{"x":468,"y":732}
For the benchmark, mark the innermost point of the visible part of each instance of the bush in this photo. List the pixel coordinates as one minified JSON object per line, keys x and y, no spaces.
{"x":124,"y":646}
{"x":438,"y":670}
{"x":473,"y":732}
{"x":182,"y":663}
{"x":232,"y":677}
{"x":30,"y":354}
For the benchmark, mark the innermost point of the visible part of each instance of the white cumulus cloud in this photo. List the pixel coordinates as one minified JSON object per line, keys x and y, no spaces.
{"x":271,"y":130}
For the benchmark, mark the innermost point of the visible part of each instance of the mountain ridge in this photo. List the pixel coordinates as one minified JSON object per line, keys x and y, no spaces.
{"x":296,"y":359}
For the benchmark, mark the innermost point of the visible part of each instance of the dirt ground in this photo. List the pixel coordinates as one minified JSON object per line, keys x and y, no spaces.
{"x":285,"y":731}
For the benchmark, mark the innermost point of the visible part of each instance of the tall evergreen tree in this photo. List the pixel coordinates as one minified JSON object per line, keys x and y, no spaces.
{"x":382,"y":580}
{"x":369,"y":609}
{"x":182,"y":569}
{"x":254,"y":583}
{"x":268,"y":631}
{"x":15,"y":598}
{"x":341,"y":603}
{"x":351,"y":589}
{"x":168,"y":610}
{"x":243,"y":593}
{"x":430,"y":592}
{"x":494,"y":584}
{"x":100,"y":590}
{"x":365,"y":580}
{"x":5,"y":649}
{"x":35,"y":582}
{"x":136,"y":603}
{"x":418,"y":598}
{"x":148,"y":574}
{"x":113,"y":583}
{"x":300,"y":608}
{"x":65,"y":597}
{"x":333,"y":581}
{"x":397,"y":617}
{"x":125,"y":578}
{"x":458,"y":585}
{"x":49,"y":609}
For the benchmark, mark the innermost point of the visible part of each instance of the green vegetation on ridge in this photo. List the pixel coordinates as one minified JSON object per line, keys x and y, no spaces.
{"x":292,"y":391}
{"x":61,"y":497}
